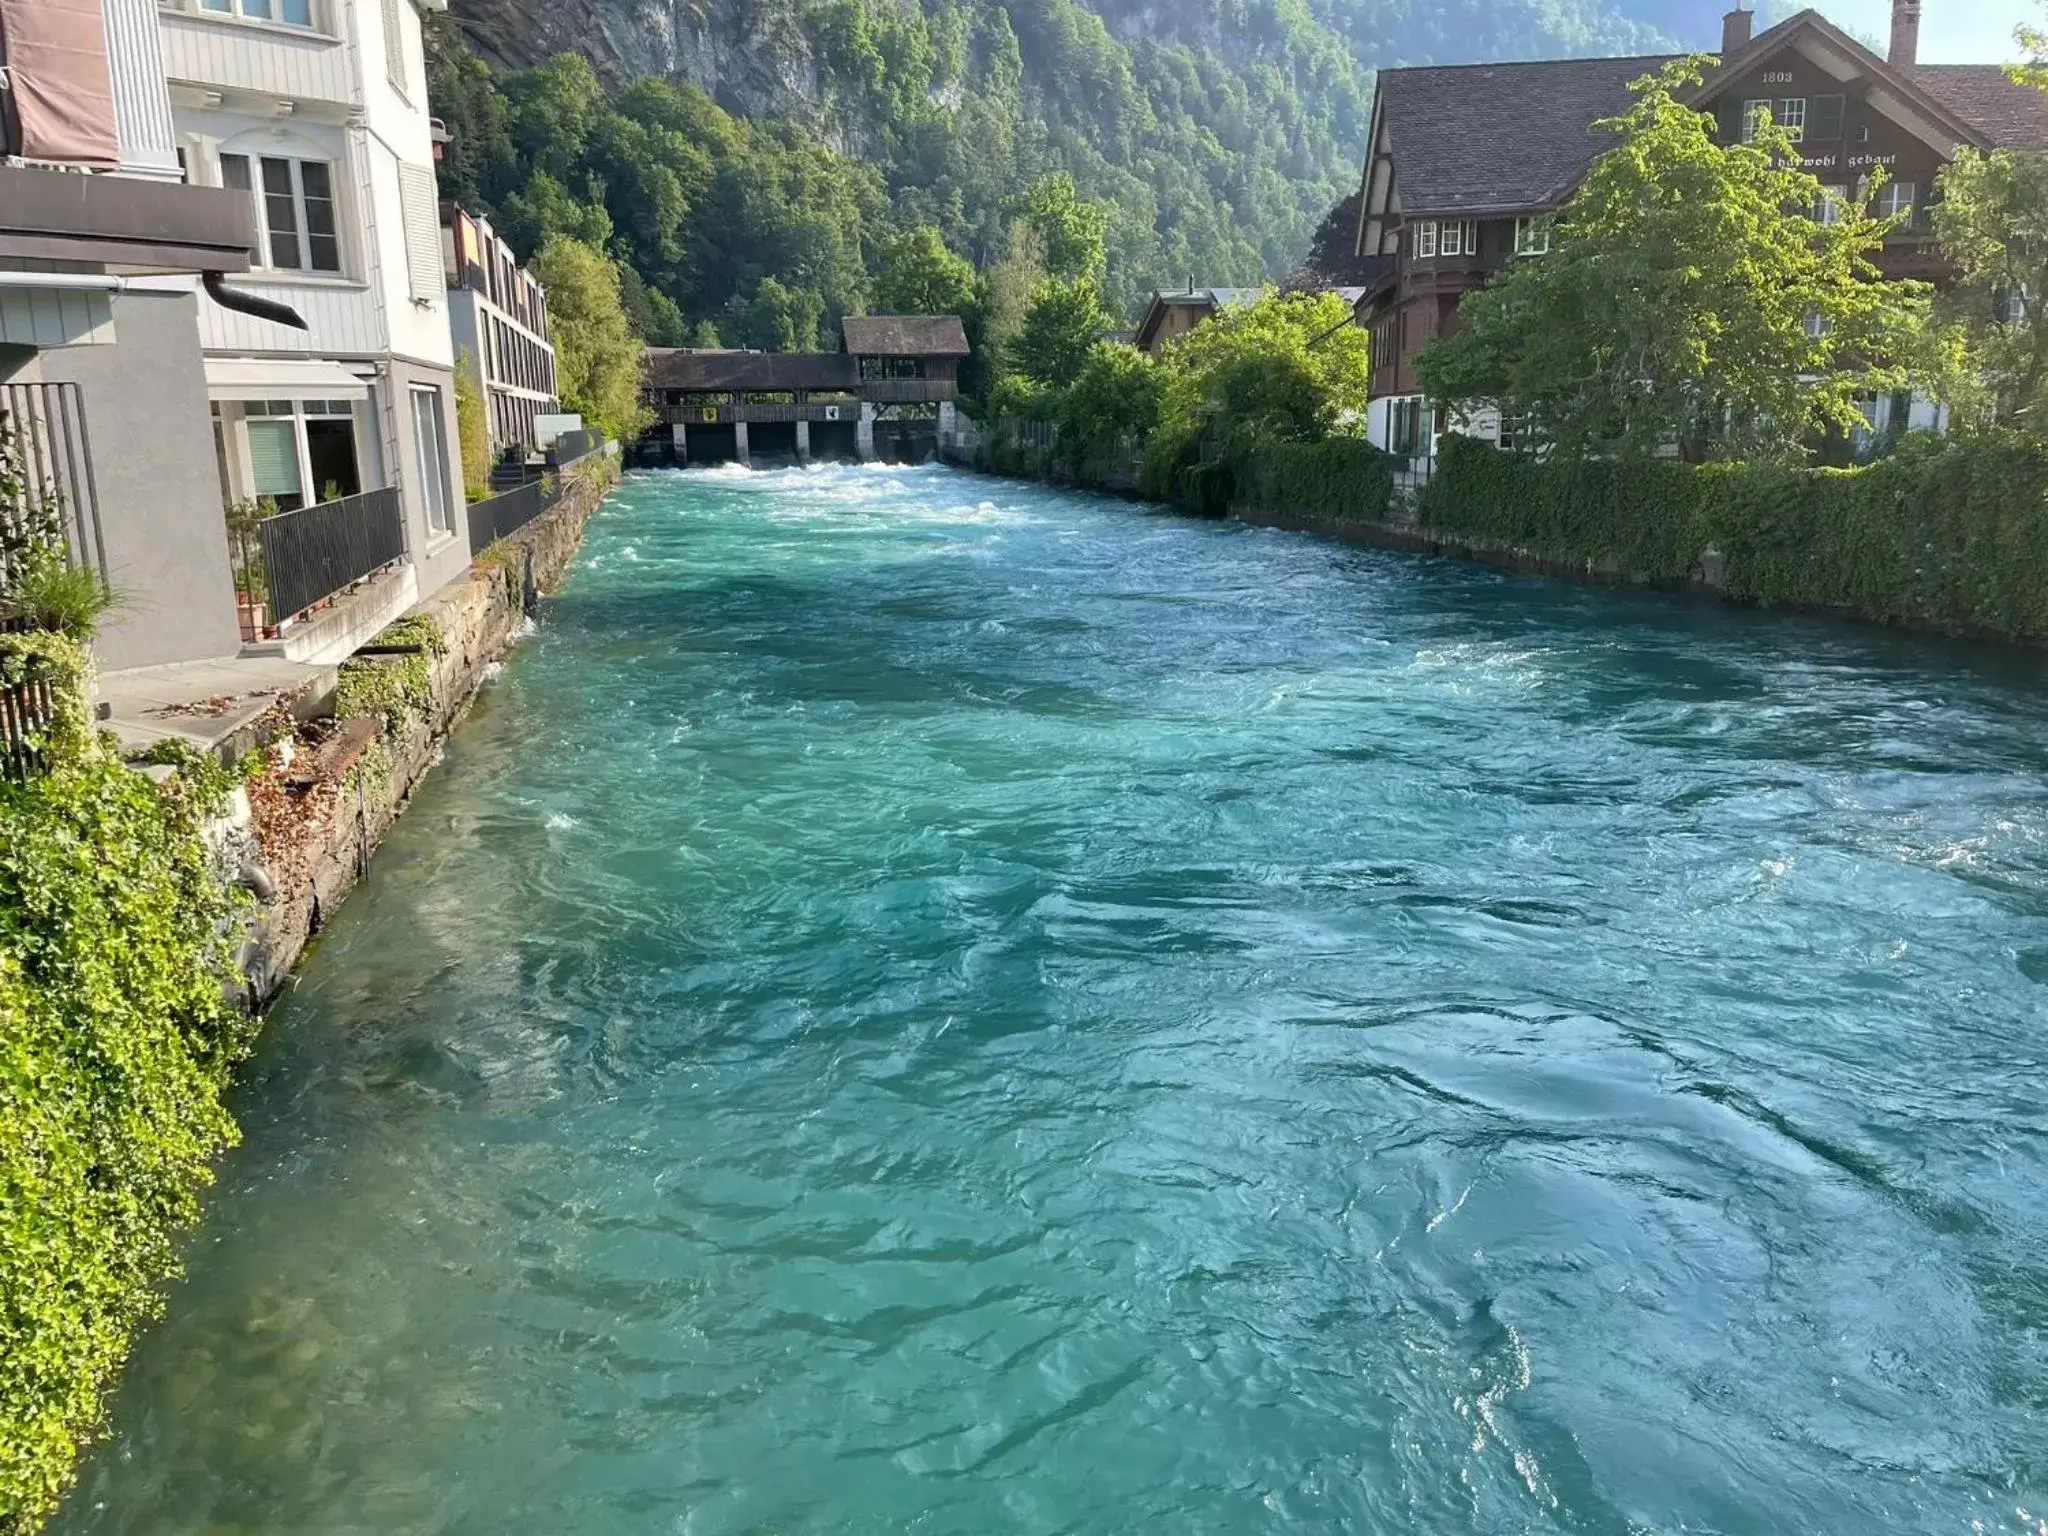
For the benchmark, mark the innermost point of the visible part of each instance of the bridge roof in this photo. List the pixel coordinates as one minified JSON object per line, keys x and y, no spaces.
{"x":751,"y":372}
{"x":906,"y":336}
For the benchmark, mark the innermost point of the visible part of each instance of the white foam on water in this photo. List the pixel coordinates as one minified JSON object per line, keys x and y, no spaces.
{"x":560,"y":821}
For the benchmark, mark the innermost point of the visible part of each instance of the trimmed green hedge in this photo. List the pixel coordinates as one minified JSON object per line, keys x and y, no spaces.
{"x":115,"y":1040}
{"x":1947,"y":535}
{"x":1342,"y":477}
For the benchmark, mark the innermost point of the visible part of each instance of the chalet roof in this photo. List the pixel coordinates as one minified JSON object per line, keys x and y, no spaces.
{"x":1497,"y":138}
{"x":759,"y":372}
{"x":2009,"y":115}
{"x":1207,"y":298}
{"x":906,"y":336}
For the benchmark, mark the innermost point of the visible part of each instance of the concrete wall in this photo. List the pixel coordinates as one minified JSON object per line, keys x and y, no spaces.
{"x":158,"y":484}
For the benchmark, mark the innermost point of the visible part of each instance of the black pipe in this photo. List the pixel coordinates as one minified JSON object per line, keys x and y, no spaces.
{"x":248,"y":304}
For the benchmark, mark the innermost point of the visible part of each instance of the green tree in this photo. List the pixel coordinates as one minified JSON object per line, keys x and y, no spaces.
{"x":776,"y":318}
{"x":1992,"y":218}
{"x":543,"y":209}
{"x":1691,"y":297}
{"x":1289,"y":368}
{"x":998,"y":319}
{"x":1074,"y":232}
{"x":1110,"y":408}
{"x":597,"y":355}
{"x":472,"y":429}
{"x":1065,"y":319}
{"x":917,"y":275}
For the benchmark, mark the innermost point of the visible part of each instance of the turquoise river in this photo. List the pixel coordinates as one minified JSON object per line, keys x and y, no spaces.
{"x":921,"y":1004}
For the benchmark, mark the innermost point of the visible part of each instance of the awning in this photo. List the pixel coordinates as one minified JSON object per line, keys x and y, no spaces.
{"x":284,"y":378}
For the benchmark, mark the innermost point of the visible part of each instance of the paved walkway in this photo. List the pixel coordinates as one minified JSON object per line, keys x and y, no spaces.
{"x":206,"y":703}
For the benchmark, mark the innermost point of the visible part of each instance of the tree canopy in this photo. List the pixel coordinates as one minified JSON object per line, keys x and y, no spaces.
{"x":1696,"y":295}
{"x":597,"y":356}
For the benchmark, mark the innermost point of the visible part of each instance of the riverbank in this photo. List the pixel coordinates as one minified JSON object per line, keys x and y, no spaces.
{"x":332,"y":788}
{"x":1942,"y":537}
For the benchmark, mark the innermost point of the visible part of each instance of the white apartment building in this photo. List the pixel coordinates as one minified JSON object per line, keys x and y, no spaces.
{"x":316,"y":110}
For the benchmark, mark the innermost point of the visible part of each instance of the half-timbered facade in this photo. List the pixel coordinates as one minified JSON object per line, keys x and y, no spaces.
{"x":1466,"y":165}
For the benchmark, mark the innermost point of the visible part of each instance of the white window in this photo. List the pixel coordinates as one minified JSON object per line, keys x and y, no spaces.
{"x":293,"y":13}
{"x":1832,"y":202}
{"x":1818,"y":325}
{"x":1514,"y":432}
{"x":300,"y":452}
{"x":1532,"y":235}
{"x":432,"y":437}
{"x":2012,"y":306}
{"x":295,"y":213}
{"x":1458,"y":237}
{"x":1425,"y":238}
{"x":1792,"y":118}
{"x":1754,"y":115}
{"x":1896,"y":199}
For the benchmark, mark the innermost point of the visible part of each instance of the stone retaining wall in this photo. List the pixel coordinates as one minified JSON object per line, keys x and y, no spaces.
{"x":314,"y":841}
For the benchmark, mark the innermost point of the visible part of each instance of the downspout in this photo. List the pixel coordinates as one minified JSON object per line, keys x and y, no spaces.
{"x":249,"y":304}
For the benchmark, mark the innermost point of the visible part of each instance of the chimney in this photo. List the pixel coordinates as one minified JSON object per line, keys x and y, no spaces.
{"x":1905,"y":34}
{"x":1735,"y":30}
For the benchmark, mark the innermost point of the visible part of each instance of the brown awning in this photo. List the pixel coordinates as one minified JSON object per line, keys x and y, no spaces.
{"x":63,"y":92}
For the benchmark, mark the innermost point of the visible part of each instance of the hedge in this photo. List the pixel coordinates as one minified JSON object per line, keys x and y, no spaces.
{"x":1341,"y":477}
{"x":1946,"y":535}
{"x":115,"y":1040}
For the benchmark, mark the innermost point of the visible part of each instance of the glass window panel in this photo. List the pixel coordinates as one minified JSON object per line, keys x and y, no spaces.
{"x":433,"y":457}
{"x":260,"y":9}
{"x":1824,"y":121}
{"x":323,"y":243}
{"x":280,"y":212}
{"x":1792,"y":118}
{"x":217,"y":5}
{"x":298,"y":13}
{"x":274,"y":458}
{"x":234,"y":172}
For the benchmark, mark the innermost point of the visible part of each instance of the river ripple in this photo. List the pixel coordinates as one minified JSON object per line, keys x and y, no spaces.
{"x":921,"y":1004}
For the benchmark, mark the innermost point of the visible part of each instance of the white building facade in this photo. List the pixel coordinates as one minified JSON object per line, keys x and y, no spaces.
{"x":316,"y":110}
{"x":499,"y":313}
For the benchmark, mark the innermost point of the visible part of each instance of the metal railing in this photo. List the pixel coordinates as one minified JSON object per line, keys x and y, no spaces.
{"x":48,"y":450}
{"x":499,"y":517}
{"x":27,"y":710}
{"x":315,"y":552}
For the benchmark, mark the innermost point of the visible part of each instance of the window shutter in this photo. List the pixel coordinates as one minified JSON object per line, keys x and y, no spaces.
{"x":422,"y":232}
{"x":1824,"y":118}
{"x":274,"y":457}
{"x":394,"y":44}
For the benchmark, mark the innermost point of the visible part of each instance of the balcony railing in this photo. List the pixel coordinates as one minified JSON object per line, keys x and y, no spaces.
{"x":908,"y":391}
{"x":313,"y":553}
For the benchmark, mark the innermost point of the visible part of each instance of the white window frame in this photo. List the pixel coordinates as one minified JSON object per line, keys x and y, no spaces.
{"x":1755,"y":113}
{"x":253,"y":170}
{"x":296,"y":413}
{"x":1425,"y":239}
{"x":1792,"y":117}
{"x":275,"y":13}
{"x":433,"y":488}
{"x":1459,"y":237}
{"x":1890,"y":203}
{"x":1532,"y":234}
{"x":1817,"y":325}
{"x":1834,"y":201}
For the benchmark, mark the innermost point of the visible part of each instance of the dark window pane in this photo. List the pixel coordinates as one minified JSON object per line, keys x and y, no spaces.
{"x":324,"y":249}
{"x":280,"y":212}
{"x":234,"y":172}
{"x":1824,"y":118}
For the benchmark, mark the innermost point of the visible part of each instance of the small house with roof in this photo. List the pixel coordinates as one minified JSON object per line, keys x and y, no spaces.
{"x":1466,"y":164}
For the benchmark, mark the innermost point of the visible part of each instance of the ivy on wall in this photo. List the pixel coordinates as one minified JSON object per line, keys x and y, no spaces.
{"x":116,"y":1036}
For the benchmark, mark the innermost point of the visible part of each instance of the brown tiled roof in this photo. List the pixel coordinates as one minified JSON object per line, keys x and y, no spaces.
{"x":2010,"y":115}
{"x":906,"y":336}
{"x":1496,"y":138}
{"x":759,"y":372}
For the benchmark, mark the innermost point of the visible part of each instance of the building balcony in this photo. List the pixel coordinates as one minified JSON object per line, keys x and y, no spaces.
{"x":123,"y":222}
{"x":270,"y":60}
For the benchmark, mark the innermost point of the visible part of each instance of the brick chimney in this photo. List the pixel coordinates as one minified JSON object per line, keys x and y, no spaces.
{"x":1735,"y":30}
{"x":1905,"y":34}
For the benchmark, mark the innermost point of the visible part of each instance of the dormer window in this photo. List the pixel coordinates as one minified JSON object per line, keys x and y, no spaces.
{"x":1425,"y":239}
{"x":1532,"y":235}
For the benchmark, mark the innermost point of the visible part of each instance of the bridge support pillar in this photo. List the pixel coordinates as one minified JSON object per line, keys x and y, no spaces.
{"x":680,"y":434}
{"x":864,"y":434}
{"x":739,"y":443}
{"x":803,"y":442}
{"x":949,"y":426}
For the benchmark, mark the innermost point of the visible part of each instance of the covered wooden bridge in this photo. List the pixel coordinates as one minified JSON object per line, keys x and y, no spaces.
{"x":889,"y":396}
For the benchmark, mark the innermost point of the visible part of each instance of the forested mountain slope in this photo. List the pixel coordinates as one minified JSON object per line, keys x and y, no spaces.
{"x":1218,"y":132}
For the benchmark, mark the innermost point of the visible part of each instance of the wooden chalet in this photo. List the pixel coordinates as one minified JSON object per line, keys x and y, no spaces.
{"x":889,"y":395}
{"x":1466,"y":164}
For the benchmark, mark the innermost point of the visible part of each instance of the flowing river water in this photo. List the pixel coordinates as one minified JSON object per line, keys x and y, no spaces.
{"x":920,"y":1004}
